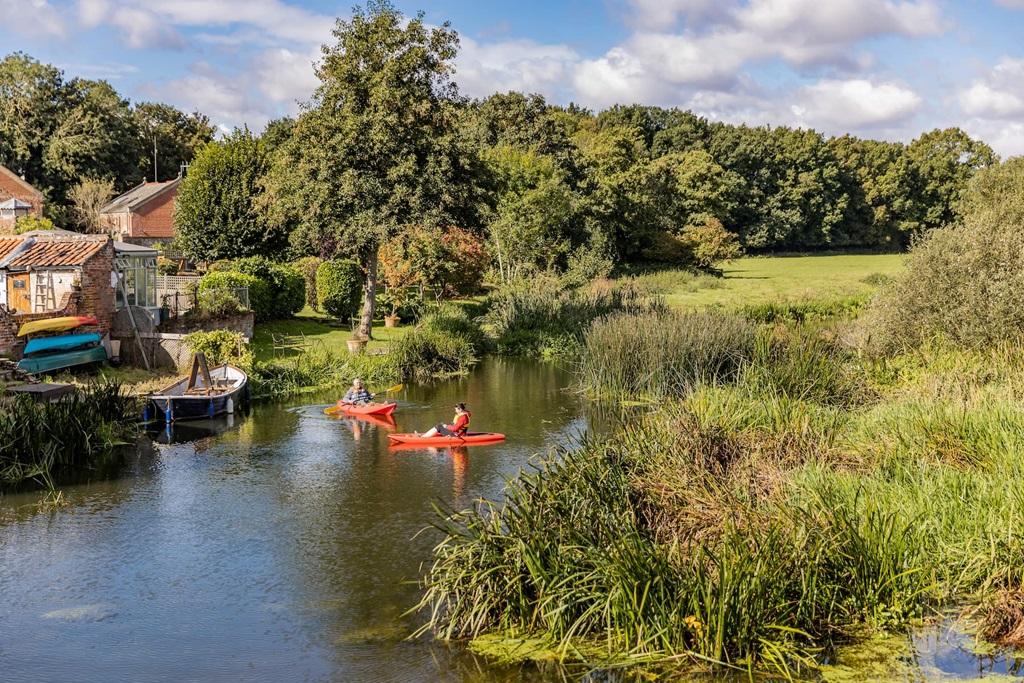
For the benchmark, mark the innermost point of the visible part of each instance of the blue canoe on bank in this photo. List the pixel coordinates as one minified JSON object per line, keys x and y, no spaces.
{"x":59,"y":361}
{"x":65,"y":342}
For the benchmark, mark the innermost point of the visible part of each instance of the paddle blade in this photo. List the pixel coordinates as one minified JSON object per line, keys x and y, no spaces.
{"x":333,"y":410}
{"x":397,"y":387}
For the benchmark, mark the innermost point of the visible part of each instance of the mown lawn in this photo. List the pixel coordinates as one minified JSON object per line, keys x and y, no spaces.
{"x":311,"y":328}
{"x":758,"y":280}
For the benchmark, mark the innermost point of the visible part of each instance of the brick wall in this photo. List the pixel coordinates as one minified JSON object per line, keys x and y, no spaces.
{"x":94,"y":296}
{"x":156,"y":218}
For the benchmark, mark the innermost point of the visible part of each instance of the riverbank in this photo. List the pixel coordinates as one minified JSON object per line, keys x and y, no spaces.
{"x":780,"y":494}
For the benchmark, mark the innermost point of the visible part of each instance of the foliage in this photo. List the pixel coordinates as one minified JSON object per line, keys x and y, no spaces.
{"x":32,"y":223}
{"x":88,"y":197}
{"x":221,"y":346}
{"x":286,"y":284}
{"x":40,"y":441}
{"x":452,"y":260}
{"x":376,"y":151}
{"x":445,"y":342}
{"x":318,"y":368}
{"x":308,"y":265}
{"x":217,"y":213}
{"x":710,"y":244}
{"x":339,"y":287}
{"x":962,"y":282}
{"x":260,"y":297}
{"x":177,"y":137}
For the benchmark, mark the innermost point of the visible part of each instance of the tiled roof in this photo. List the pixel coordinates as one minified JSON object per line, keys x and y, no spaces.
{"x":57,"y":252}
{"x":7,"y":245}
{"x":137,"y":196}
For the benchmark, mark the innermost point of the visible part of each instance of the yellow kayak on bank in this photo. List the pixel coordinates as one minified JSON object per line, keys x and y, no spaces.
{"x":68,"y":322}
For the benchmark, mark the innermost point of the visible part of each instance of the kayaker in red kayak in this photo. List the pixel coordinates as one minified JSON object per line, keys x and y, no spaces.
{"x":357,"y":395}
{"x":458,"y":427}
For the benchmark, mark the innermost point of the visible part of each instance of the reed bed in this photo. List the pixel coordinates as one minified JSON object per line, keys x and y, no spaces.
{"x":798,"y":497}
{"x":40,"y":441}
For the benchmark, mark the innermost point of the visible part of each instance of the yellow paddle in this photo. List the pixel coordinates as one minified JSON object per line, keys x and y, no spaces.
{"x":334,"y":410}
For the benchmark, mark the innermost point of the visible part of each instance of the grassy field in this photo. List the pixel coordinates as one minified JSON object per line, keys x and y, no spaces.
{"x":310,"y":328}
{"x":758,"y":280}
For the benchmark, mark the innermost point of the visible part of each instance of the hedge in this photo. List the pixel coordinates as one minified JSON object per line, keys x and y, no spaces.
{"x":287,"y":286}
{"x":260,"y":298}
{"x":339,"y":287}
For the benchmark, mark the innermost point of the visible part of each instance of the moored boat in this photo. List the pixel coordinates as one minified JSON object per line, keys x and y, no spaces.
{"x":196,"y":397}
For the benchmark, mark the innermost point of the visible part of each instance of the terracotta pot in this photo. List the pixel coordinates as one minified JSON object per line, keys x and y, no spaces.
{"x":356,"y":346}
{"x":391,"y":321}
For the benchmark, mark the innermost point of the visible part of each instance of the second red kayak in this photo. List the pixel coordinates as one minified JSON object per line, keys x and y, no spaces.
{"x":468,"y":439}
{"x":379,"y":409}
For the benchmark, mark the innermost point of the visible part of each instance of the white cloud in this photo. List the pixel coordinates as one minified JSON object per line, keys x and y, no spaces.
{"x":32,"y":18}
{"x":286,"y":76}
{"x":227,"y":98}
{"x":1005,"y":137}
{"x":483,"y":69}
{"x":272,"y":17}
{"x":844,"y":105}
{"x":1012,"y":4}
{"x":1000,"y":95}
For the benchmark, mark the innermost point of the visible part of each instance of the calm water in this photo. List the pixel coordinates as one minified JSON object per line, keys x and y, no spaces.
{"x":283,"y":549}
{"x":286,"y":548}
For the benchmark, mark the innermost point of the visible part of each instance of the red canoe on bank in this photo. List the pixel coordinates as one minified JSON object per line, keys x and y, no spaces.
{"x":378,"y":409}
{"x":467,"y":440}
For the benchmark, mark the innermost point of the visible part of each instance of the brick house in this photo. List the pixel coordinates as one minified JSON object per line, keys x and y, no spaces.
{"x":17,"y":199}
{"x":143,"y":215}
{"x":48,"y":274}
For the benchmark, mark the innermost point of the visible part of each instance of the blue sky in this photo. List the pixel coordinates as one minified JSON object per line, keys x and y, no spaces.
{"x":880,"y":68}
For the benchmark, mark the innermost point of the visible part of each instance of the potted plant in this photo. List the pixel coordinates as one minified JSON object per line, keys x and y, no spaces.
{"x":394,"y":298}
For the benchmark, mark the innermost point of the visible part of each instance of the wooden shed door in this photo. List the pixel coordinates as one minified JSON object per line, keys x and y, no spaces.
{"x":19,"y":296}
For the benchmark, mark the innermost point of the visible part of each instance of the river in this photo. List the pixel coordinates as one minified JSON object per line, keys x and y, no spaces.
{"x":286,"y":547}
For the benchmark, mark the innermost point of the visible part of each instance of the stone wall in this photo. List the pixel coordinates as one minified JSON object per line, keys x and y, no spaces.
{"x":165,"y":346}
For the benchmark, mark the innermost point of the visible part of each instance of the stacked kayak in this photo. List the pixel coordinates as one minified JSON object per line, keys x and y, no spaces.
{"x":46,"y":354}
{"x":468,"y":439}
{"x":62,"y":324}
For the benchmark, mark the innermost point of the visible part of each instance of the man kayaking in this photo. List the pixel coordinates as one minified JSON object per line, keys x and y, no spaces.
{"x":357,"y":395}
{"x":458,"y":427}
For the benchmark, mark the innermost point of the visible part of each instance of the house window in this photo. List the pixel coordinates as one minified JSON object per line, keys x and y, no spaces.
{"x":137,"y":281}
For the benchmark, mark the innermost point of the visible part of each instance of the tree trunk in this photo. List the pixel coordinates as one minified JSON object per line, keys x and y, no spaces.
{"x":369,"y":296}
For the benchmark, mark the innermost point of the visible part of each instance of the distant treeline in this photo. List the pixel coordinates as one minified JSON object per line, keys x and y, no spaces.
{"x":59,"y":133}
{"x":542,"y":184}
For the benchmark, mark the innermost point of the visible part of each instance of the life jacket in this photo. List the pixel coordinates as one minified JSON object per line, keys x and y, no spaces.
{"x":460,"y":425}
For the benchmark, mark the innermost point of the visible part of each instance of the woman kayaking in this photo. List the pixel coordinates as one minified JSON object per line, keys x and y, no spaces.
{"x":357,"y":395}
{"x":458,"y":427}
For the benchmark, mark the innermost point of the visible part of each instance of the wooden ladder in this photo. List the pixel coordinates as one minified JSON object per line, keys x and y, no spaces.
{"x":45,"y":300}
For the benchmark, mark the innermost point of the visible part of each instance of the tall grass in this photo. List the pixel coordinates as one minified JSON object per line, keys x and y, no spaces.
{"x":316,"y":368}
{"x":541,"y":318}
{"x":39,"y":441}
{"x":446,"y":342}
{"x":755,"y":520}
{"x":663,"y":354}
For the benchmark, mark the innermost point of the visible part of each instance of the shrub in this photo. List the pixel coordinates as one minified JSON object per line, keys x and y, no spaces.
{"x":803,"y":311}
{"x":166,"y":266}
{"x":962,"y":283}
{"x":307,"y":266}
{"x":219,"y":303}
{"x":318,"y":367}
{"x":260,"y":300}
{"x":339,"y":287}
{"x":452,"y":260}
{"x":663,"y":354}
{"x":710,"y":244}
{"x":286,"y":284}
{"x":446,"y":342}
{"x":31,"y":223}
{"x":221,"y":346}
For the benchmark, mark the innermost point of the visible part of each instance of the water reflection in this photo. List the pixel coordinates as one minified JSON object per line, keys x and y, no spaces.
{"x":284,"y":545}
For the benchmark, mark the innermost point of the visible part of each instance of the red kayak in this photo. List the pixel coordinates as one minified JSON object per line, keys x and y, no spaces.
{"x":379,"y":409}
{"x":468,"y":440}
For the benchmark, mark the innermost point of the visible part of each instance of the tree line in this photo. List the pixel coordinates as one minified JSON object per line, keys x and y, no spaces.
{"x":387,"y":145}
{"x":79,"y":141}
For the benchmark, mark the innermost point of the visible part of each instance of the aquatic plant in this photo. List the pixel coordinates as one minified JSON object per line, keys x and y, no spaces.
{"x":663,"y":354}
{"x":41,"y":441}
{"x":445,"y":342}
